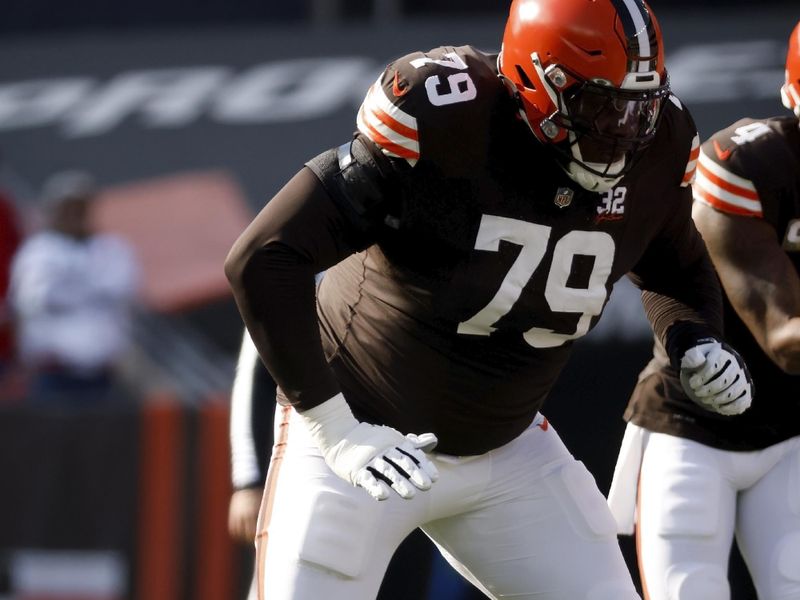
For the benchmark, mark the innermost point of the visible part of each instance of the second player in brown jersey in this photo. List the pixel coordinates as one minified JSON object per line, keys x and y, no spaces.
{"x":703,"y":478}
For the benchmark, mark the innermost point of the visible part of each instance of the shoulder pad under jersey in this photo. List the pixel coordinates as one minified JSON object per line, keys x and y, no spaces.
{"x":361,"y":182}
{"x":741,"y":163}
{"x":434,"y":106}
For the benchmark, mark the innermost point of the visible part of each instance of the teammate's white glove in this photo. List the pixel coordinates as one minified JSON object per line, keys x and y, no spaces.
{"x":374,"y":457}
{"x":716,"y":377}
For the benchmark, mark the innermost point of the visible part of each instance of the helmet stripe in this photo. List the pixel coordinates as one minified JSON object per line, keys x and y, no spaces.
{"x":639,"y":31}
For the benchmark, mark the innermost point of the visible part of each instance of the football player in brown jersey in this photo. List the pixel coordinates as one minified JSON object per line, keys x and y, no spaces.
{"x":703,"y":477}
{"x":472,"y":230}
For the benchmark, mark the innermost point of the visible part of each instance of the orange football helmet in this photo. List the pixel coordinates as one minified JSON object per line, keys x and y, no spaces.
{"x":590,"y":79}
{"x":790,"y":91}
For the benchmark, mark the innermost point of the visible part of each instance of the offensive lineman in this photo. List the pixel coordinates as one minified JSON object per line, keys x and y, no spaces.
{"x":473,"y":228}
{"x":701,"y":476}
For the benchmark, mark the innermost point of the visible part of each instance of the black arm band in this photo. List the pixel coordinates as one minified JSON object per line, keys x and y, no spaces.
{"x":682,"y":335}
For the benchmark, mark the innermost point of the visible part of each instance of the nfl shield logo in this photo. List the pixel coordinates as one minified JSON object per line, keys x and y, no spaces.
{"x":563,"y":197}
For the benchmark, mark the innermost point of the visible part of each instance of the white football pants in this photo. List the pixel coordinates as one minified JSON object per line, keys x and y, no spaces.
{"x":523,"y":521}
{"x":692,"y":498}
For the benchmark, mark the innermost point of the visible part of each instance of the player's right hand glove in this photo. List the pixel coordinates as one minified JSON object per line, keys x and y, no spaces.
{"x":374,"y":457}
{"x":715,"y":376}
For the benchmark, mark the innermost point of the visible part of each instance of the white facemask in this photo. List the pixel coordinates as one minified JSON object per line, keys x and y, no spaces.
{"x":591,"y":181}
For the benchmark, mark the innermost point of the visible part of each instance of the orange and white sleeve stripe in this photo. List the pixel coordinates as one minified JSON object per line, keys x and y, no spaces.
{"x":725,"y":191}
{"x":691,"y":166}
{"x":393,"y":130}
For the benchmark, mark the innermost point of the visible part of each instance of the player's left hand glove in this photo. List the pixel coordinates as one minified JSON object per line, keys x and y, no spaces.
{"x":715,"y":376}
{"x":375,"y":457}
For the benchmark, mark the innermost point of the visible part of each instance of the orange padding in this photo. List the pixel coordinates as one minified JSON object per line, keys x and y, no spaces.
{"x":181,"y":227}
{"x":160,"y":552}
{"x":214,"y":570}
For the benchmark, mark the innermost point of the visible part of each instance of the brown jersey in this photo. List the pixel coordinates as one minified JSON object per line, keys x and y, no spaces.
{"x":752,"y":168}
{"x":478,"y":261}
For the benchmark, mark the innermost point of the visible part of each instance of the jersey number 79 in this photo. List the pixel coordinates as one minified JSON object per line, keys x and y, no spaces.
{"x":534,"y":239}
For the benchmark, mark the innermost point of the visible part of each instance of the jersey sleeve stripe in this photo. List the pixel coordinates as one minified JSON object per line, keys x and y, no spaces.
{"x":394,"y":130}
{"x":691,"y":166}
{"x":723,"y":195}
{"x":705,"y":197}
{"x":377,"y":97}
{"x":726,"y":179}
{"x":396,"y":126}
{"x":388,"y":146}
{"x":711,"y":188}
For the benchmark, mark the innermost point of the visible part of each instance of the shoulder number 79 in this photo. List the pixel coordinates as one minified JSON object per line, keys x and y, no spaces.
{"x":461,"y":86}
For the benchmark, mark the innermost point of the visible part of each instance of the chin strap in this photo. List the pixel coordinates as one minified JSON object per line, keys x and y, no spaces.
{"x":592,"y":181}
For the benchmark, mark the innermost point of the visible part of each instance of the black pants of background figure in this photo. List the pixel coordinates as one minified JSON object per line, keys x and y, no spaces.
{"x":54,"y":386}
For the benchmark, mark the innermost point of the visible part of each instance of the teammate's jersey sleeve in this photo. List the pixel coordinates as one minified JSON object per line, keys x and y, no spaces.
{"x":730,"y":161}
{"x":434,"y":106}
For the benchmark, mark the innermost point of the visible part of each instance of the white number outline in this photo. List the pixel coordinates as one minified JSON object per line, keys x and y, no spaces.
{"x":452,"y":61}
{"x":613,"y":201}
{"x":750,"y":133}
{"x":534,"y":239}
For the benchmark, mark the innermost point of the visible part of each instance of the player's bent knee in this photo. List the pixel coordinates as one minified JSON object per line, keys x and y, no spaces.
{"x":339,"y":535}
{"x":697,"y":581}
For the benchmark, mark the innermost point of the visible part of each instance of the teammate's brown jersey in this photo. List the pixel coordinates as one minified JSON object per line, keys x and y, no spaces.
{"x":752,"y":168}
{"x":480,"y":261}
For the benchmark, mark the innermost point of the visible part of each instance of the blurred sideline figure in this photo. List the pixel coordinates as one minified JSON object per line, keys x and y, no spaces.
{"x":477,"y":223}
{"x":72,"y":292}
{"x":704,"y":477}
{"x":10,"y":238}
{"x":252,"y":413}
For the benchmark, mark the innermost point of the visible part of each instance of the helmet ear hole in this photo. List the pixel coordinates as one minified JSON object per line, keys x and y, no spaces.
{"x":526,"y":81}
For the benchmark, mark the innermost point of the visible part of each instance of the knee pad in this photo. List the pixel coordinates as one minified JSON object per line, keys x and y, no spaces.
{"x":789,"y":558}
{"x":698,"y":581}
{"x":339,"y":534}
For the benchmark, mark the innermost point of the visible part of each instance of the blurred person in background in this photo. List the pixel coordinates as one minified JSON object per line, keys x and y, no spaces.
{"x":477,"y":223}
{"x":252,"y":414}
{"x":72,"y":294}
{"x":251,"y":420}
{"x":10,"y":238}
{"x":703,"y":477}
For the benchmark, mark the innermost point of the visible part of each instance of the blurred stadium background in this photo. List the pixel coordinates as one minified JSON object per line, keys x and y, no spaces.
{"x":192,"y":113}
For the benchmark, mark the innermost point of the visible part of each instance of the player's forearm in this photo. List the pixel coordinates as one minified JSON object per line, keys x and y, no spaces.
{"x":685,"y":308}
{"x":783,"y":346}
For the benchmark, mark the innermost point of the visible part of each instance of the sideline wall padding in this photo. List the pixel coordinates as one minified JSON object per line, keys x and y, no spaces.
{"x":160,"y":550}
{"x":215,"y":554}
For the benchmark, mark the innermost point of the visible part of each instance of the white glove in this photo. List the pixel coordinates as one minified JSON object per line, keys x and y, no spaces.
{"x":716,"y":378}
{"x":374,"y":457}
